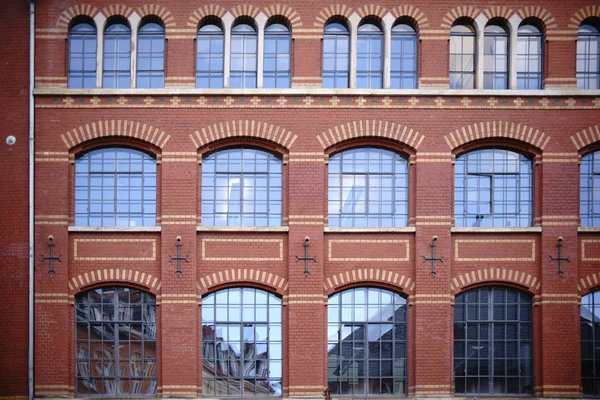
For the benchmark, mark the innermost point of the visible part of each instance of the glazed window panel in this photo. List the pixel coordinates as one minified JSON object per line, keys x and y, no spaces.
{"x":241,"y":187}
{"x":403,"y":72}
{"x":82,"y":56}
{"x":151,"y":56}
{"x":590,"y":341}
{"x":277,"y":62}
{"x":588,"y":56}
{"x":589,"y":199}
{"x":336,"y":56}
{"x":495,"y":58}
{"x":210,"y":56}
{"x":242,"y":348}
{"x":369,"y":63}
{"x":367,"y":343}
{"x":117,"y":56}
{"x":115,"y":343}
{"x":529,"y":57}
{"x":243,"y":56}
{"x":115,"y":187}
{"x":462,"y":57}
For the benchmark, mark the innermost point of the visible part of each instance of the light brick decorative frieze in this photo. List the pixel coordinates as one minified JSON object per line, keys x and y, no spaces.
{"x":244,"y":129}
{"x":589,"y":282}
{"x":495,"y":275}
{"x":497,"y":129}
{"x":160,"y":11}
{"x":285,"y":11}
{"x":243,"y":247}
{"x":371,"y":10}
{"x":79,"y":282}
{"x":117,"y":245}
{"x":369,"y":275}
{"x":331,"y":11}
{"x":242,"y":275}
{"x":583,"y":13}
{"x":476,"y":250}
{"x":586,"y":137}
{"x":115,"y":128}
{"x":459,"y":12}
{"x":403,"y":247}
{"x":370,"y":128}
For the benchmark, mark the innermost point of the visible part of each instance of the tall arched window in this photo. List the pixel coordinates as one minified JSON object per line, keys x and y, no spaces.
{"x":241,"y":187}
{"x":493,"y":188}
{"x":403,"y":70}
{"x":495,"y":56}
{"x":117,"y":54}
{"x":115,"y":343}
{"x":336,"y":55}
{"x":462,"y":55}
{"x":241,"y":344}
{"x":369,"y":54}
{"x":210,"y":55}
{"x":530,"y":44}
{"x":590,"y":342}
{"x":115,"y":187}
{"x":366,"y":343}
{"x":493,"y":347}
{"x":588,"y":54}
{"x":82,"y":55}
{"x":589,"y":198}
{"x":368,"y":187}
{"x":151,"y":56}
{"x":243,"y":55}
{"x":278,"y":49}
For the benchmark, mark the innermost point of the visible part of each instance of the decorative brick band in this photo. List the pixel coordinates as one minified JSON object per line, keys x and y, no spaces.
{"x":285,"y":11}
{"x":80,"y":9}
{"x":371,"y":9}
{"x":497,"y":129}
{"x":412,"y":12}
{"x":586,"y":136}
{"x":540,"y":13}
{"x":275,"y":282}
{"x":117,"y":9}
{"x":328,"y":12}
{"x":160,"y":11}
{"x":459,"y":12}
{"x":79,"y":282}
{"x":244,"y":10}
{"x":495,"y":274}
{"x":587,"y":283}
{"x":244,"y":128}
{"x":583,"y":13}
{"x":498,"y":12}
{"x":119,"y":127}
{"x":367,"y":275}
{"x":371,"y":128}
{"x":203,"y":12}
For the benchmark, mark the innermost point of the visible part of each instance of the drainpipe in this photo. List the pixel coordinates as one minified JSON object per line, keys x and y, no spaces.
{"x":31,"y":191}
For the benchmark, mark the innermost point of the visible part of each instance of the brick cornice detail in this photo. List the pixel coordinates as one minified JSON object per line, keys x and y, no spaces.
{"x":369,"y":275}
{"x":370,"y":128}
{"x":459,"y":12}
{"x":112,"y":275}
{"x":244,"y":129}
{"x":277,"y":283}
{"x":115,"y":128}
{"x":497,"y":129}
{"x":67,"y":16}
{"x":586,"y":137}
{"x":582,"y":14}
{"x":495,"y":275}
{"x":331,"y":11}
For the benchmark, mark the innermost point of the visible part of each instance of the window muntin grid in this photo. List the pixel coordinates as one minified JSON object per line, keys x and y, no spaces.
{"x":368,"y":187}
{"x":588,"y":56}
{"x":589,"y":190}
{"x":241,"y":187}
{"x":277,"y":63}
{"x":462,"y":56}
{"x":493,"y":188}
{"x":209,"y":56}
{"x":336,"y":56}
{"x":115,"y":343}
{"x":495,"y":57}
{"x":82,"y":56}
{"x":151,"y":56}
{"x":117,"y":56}
{"x":243,"y":56}
{"x":493,"y":347}
{"x":369,"y":57}
{"x":590,"y":342}
{"x":115,"y":187}
{"x":403,"y":70}
{"x":242,"y":354}
{"x":366,"y":344}
{"x":529,"y":57}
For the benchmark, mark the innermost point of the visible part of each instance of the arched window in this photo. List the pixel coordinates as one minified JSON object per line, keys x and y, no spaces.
{"x":368,"y":187}
{"x":588,"y":54}
{"x":243,"y":56}
{"x":495,"y":56}
{"x":530,"y":44}
{"x":115,"y":343}
{"x":366,"y":343}
{"x":493,"y":344}
{"x":115,"y":187}
{"x":151,"y":56}
{"x":493,"y":188}
{"x":590,"y":342}
{"x":82,"y":56}
{"x":336,"y":55}
{"x":403,"y":69}
{"x":277,"y":64}
{"x":241,"y":344}
{"x":241,"y":187}
{"x":462,"y":55}
{"x":117,"y":55}
{"x":369,"y":53}
{"x":589,"y":198}
{"x":210,"y":55}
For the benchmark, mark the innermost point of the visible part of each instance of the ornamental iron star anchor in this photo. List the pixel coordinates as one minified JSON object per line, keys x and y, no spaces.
{"x":179,"y":258}
{"x":560,"y":258}
{"x":306,"y":258}
{"x":51,"y":257}
{"x":433,"y":259}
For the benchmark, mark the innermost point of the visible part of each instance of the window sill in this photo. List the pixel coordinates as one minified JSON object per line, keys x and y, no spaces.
{"x":532,"y":229}
{"x":201,"y":228}
{"x":595,"y":229}
{"x":407,"y":229}
{"x":114,"y":229}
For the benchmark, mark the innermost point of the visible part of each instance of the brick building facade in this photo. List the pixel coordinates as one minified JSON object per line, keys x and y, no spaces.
{"x":186,"y":280}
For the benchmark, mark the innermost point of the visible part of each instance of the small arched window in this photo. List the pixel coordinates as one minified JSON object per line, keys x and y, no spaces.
{"x":151,"y":56}
{"x":495,"y":56}
{"x":462,"y":55}
{"x":82,"y":56}
{"x":277,"y":64}
{"x":589,"y":197}
{"x":117,"y":55}
{"x":588,"y":54}
{"x":369,"y":53}
{"x":210,"y":55}
{"x":243,"y":56}
{"x":403,"y":70}
{"x":529,"y":56}
{"x":336,"y":55}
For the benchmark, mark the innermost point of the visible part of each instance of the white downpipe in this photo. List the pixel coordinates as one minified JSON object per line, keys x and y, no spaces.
{"x":30,"y":358}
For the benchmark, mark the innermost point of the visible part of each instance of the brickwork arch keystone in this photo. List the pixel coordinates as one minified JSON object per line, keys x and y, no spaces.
{"x":588,"y":283}
{"x":582,"y":14}
{"x":203,"y":12}
{"x":289,"y":13}
{"x":240,"y":275}
{"x":370,"y":128}
{"x":160,"y":11}
{"x":366,"y":275}
{"x":412,"y":12}
{"x":586,"y":137}
{"x":117,"y":9}
{"x":331,"y":11}
{"x":67,"y":16}
{"x":520,"y":278}
{"x":371,"y":9}
{"x":245,"y":129}
{"x":459,"y":12}
{"x":541,"y":13}
{"x":244,"y":10}
{"x":498,"y":12}
{"x":497,"y":129}
{"x":112,"y":128}
{"x":111,"y":275}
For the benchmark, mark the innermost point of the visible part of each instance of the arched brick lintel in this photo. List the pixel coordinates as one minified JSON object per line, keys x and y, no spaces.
{"x":459,"y":12}
{"x":331,"y":11}
{"x":588,"y":284}
{"x":497,"y":129}
{"x":370,"y":128}
{"x":277,"y":283}
{"x":369,"y":275}
{"x":585,"y":137}
{"x":459,"y":282}
{"x":115,"y":128}
{"x":67,"y":16}
{"x":582,"y":14}
{"x":80,"y":282}
{"x":246,"y":129}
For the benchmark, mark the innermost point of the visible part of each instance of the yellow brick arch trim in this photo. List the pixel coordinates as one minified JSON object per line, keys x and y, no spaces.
{"x":111,"y":275}
{"x":242,"y":275}
{"x":67,"y":16}
{"x":586,"y":137}
{"x":203,"y":12}
{"x":370,"y":128}
{"x":541,"y":13}
{"x":412,"y":12}
{"x":499,"y":12}
{"x":244,"y":10}
{"x":331,"y":11}
{"x":244,"y":129}
{"x":369,"y":275}
{"x":371,"y":9}
{"x":285,"y":11}
{"x":583,"y":13}
{"x":495,"y":275}
{"x":115,"y":128}
{"x":160,"y":11}
{"x":588,"y":283}
{"x":497,"y":129}
{"x":117,"y":9}
{"x":459,"y":12}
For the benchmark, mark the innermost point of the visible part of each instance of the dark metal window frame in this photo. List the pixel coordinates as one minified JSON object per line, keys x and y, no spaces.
{"x":243,"y":73}
{"x":84,"y":36}
{"x":335,"y":73}
{"x":590,"y":332}
{"x":110,"y":76}
{"x":527,"y":74}
{"x":494,"y":36}
{"x":210,"y":36}
{"x":154,"y":56}
{"x":400,"y":38}
{"x":586,"y":196}
{"x":583,"y":77}
{"x":370,"y":73}
{"x":460,"y":72}
{"x":278,"y":74}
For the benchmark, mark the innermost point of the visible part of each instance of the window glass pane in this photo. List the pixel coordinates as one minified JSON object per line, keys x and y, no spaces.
{"x":82,"y":56}
{"x":336,"y":42}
